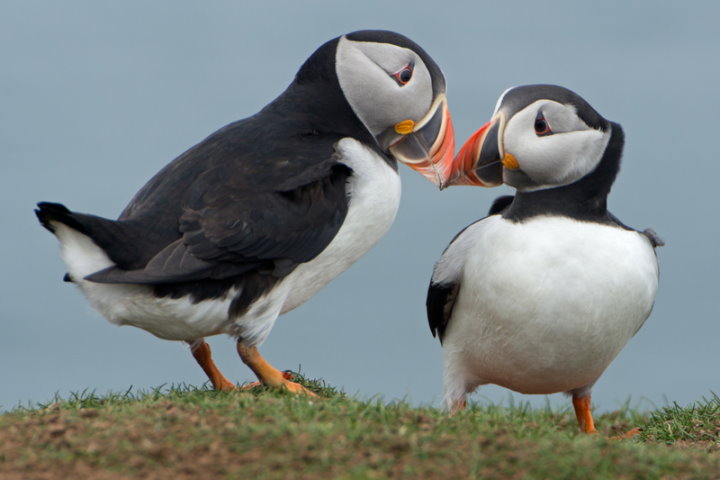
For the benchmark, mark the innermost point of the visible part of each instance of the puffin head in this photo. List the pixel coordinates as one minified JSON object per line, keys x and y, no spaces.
{"x":539,"y":137}
{"x":397,"y":91}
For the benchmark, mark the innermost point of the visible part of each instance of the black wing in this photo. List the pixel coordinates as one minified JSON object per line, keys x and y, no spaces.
{"x":236,"y":232}
{"x":230,"y":232}
{"x":440,"y":302}
{"x":257,"y":195}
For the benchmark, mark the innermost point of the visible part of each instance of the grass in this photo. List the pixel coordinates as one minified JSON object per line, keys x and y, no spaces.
{"x":184,"y":432}
{"x":697,"y":424}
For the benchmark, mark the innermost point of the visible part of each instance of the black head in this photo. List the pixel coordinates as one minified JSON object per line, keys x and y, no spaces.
{"x":539,"y":137}
{"x":380,"y":85}
{"x":552,"y":146}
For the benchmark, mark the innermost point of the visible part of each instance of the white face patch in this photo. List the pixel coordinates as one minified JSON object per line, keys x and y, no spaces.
{"x":365,"y":71}
{"x":572,"y":151}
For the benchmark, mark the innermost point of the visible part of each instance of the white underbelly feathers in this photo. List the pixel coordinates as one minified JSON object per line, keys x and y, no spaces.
{"x":545,"y":305}
{"x":124,"y":304}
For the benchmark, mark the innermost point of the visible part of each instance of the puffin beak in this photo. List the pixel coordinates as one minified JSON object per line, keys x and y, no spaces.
{"x":428,"y":145}
{"x":481,"y":159}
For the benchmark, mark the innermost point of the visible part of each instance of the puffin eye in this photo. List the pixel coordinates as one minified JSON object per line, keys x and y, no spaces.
{"x":404,"y":75}
{"x":542,"y":128}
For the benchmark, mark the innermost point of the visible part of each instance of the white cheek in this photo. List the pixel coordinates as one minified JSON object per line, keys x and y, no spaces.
{"x":387,"y":103}
{"x":375,"y":97}
{"x":558,"y":159}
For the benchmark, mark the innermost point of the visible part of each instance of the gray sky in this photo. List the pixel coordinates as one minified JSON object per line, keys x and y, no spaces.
{"x":95,"y":97}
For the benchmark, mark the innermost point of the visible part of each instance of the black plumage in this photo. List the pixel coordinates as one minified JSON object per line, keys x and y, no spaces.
{"x":439,"y":304}
{"x":255,"y":198}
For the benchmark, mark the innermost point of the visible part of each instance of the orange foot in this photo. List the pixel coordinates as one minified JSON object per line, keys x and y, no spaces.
{"x":629,"y":434}
{"x":287,"y":382}
{"x":267,"y":374}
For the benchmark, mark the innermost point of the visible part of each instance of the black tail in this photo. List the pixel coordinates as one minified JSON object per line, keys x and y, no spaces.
{"x":117,"y":239}
{"x":47,"y":212}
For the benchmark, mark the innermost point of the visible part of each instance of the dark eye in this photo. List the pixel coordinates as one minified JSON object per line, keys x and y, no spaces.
{"x":542,"y":127}
{"x":404,"y":75}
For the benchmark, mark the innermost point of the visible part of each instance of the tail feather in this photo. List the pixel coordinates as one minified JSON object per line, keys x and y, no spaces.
{"x":117,"y":239}
{"x":48,"y":212}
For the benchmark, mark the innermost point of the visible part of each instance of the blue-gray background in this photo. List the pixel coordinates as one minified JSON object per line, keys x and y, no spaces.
{"x":95,"y":97}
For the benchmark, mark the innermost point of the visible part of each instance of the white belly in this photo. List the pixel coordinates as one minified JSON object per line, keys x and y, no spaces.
{"x":547,"y":304}
{"x":374,"y":192}
{"x":122,"y":304}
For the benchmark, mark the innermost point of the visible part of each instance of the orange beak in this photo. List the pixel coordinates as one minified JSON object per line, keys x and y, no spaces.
{"x":429,"y":145}
{"x":479,"y":161}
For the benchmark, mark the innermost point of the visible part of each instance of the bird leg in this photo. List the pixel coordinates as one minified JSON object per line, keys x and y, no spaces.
{"x":266,"y":373}
{"x":201,"y":351}
{"x":458,"y":405}
{"x":583,"y":413}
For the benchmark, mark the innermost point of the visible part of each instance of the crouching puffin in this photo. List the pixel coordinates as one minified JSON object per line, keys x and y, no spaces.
{"x":252,"y":221}
{"x":542,"y":294}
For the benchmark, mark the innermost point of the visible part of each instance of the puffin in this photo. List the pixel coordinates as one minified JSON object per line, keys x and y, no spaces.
{"x":255,"y":219}
{"x":541,"y":294}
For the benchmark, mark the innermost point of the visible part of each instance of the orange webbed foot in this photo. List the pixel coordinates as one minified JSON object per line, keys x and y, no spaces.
{"x":286,"y":382}
{"x":267,"y":374}
{"x":629,"y":434}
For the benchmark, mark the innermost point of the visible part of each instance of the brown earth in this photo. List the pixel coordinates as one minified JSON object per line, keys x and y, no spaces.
{"x":182,"y":442}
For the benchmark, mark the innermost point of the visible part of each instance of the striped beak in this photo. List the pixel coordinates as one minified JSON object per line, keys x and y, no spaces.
{"x":480,"y":160}
{"x":428,"y":146}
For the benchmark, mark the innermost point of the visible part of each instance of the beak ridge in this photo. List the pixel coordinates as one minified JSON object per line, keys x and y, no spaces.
{"x":479,"y":160}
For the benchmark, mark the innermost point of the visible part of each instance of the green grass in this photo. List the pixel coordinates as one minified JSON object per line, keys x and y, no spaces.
{"x":186,"y":432}
{"x":699,"y":422}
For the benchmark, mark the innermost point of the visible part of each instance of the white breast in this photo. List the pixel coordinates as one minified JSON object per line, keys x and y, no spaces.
{"x":545,"y":305}
{"x":374,"y":193}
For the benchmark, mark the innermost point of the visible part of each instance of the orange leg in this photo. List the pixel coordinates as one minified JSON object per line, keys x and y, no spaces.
{"x":583,"y":413}
{"x":266,"y":373}
{"x":203,"y":355}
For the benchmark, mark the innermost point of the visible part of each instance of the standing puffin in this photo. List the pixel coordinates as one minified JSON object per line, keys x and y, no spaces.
{"x":252,"y":221}
{"x":542,"y":294}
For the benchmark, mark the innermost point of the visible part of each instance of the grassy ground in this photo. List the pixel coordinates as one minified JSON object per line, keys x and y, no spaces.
{"x":183,"y":433}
